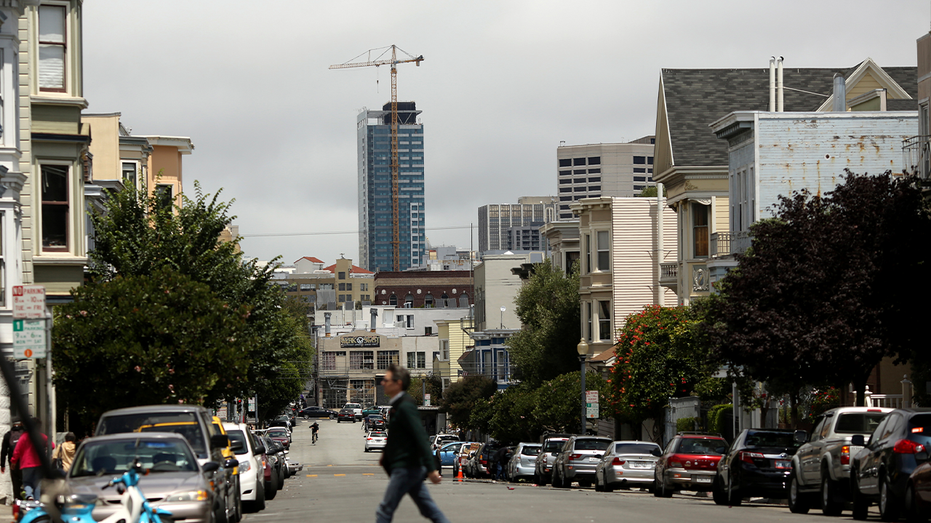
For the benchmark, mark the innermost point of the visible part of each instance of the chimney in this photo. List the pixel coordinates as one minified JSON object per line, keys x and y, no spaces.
{"x":840,"y":94}
{"x":779,"y":98}
{"x":372,"y":321}
{"x":772,"y":84}
{"x":327,"y":328}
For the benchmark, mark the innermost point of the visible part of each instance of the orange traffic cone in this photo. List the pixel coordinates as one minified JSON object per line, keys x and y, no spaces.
{"x":459,"y":474}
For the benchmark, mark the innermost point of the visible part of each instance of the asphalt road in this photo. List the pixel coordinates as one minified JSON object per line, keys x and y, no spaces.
{"x":341,"y":482}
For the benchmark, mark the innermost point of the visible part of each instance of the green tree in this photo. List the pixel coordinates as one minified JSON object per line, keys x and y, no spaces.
{"x":659,"y":355}
{"x":508,"y":416}
{"x":549,"y":308}
{"x":433,"y":384}
{"x":290,"y":365}
{"x":143,"y":339}
{"x":559,"y":401}
{"x":461,"y":397}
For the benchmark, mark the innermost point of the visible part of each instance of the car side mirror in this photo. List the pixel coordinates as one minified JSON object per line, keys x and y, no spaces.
{"x":237,"y":447}
{"x":219,"y":441}
{"x":656,"y":452}
{"x":858,"y":440}
{"x":231,"y":463}
{"x":801,"y":436}
{"x":211,"y":466}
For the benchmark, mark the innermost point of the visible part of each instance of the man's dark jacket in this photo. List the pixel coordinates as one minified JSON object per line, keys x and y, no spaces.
{"x":407,"y":445}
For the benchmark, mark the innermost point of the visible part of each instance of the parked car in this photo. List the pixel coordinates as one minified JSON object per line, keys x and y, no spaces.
{"x":281,"y":435}
{"x":376,"y":440}
{"x":316,"y":412}
{"x":880,"y":472}
{"x":689,"y":463}
{"x":356,"y":410}
{"x":346,"y":414}
{"x":372,"y":421}
{"x":477,"y":466}
{"x":522,"y":462}
{"x":438,"y":440}
{"x":191,"y":422}
{"x":542,"y":469}
{"x":446,"y":455}
{"x":231,"y":465}
{"x":251,"y":465}
{"x":463,"y":456}
{"x":173,"y":473}
{"x":577,"y":459}
{"x":627,"y":464}
{"x":757,"y":463}
{"x":371,"y":409}
{"x":918,"y":492}
{"x":821,"y":467}
{"x":275,"y":464}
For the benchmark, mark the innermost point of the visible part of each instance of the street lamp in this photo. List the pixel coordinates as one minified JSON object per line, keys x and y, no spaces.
{"x":582,"y":349}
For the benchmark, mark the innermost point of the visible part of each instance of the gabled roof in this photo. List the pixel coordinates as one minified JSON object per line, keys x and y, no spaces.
{"x":694,"y":98}
{"x":354,"y":270}
{"x":310,"y":259}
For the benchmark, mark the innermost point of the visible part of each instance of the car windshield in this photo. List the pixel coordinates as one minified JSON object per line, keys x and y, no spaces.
{"x":553,"y":445}
{"x":530,"y":450}
{"x":378,"y":434}
{"x":183,"y":423}
{"x":779,"y":440}
{"x":279,"y":433}
{"x":352,"y":406}
{"x":238,"y":438}
{"x":858,"y":422}
{"x":591,"y":444}
{"x":635,"y":448}
{"x":115,"y":457}
{"x":702,"y":446}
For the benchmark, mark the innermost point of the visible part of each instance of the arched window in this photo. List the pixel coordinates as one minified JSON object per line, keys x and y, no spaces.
{"x":428,"y":300}
{"x":464,"y":300}
{"x":444,"y":301}
{"x":393,"y":300}
{"x":409,"y":300}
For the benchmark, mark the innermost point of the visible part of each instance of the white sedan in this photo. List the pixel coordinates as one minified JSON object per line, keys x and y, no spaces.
{"x":376,"y":440}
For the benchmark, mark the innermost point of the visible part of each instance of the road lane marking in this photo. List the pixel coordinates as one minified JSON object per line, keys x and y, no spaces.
{"x":339,"y":474}
{"x":311,"y":475}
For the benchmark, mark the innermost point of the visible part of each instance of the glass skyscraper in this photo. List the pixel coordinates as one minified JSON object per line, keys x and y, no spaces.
{"x":374,"y":164}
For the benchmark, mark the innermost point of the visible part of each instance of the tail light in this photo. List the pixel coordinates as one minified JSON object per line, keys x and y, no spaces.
{"x":369,"y":439}
{"x":676,"y":460}
{"x":907,"y":446}
{"x":618,"y":461}
{"x":845,"y":455}
{"x":748,"y":457}
{"x":573,"y":457}
{"x":484,"y":462}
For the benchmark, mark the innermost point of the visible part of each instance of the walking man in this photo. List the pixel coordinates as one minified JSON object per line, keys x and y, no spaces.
{"x":406,"y":457}
{"x":6,"y":452}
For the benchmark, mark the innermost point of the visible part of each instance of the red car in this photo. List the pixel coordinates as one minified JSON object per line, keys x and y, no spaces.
{"x":690,"y":462}
{"x":281,"y":435}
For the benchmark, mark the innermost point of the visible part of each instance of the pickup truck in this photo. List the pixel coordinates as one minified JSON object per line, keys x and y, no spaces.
{"x":821,"y":466}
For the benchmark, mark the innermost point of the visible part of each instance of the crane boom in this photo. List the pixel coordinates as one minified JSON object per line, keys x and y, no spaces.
{"x":393,"y":62}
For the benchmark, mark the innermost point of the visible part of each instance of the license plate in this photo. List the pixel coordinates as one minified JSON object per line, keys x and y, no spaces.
{"x":594,"y":459}
{"x":702,"y":479}
{"x":783,"y":464}
{"x":640,"y":465}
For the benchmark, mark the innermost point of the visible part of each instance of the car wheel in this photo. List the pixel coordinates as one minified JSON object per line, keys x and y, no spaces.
{"x":607,"y":486}
{"x":237,"y":504}
{"x":888,"y":506}
{"x":717,"y":492}
{"x":830,"y":505}
{"x":260,"y":496}
{"x":913,"y":512}
{"x":338,"y":420}
{"x":555,"y":479}
{"x":271,"y":489}
{"x":798,"y":501}
{"x":733,"y":492}
{"x":598,"y":487}
{"x":861,"y":505}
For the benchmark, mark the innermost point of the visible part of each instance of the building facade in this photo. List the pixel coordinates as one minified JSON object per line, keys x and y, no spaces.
{"x":375,"y":191}
{"x":415,"y":289}
{"x":514,"y":226}
{"x":607,"y":169}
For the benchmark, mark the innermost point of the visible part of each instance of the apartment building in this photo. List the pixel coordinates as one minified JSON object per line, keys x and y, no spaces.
{"x":335,"y":286}
{"x":514,"y":226}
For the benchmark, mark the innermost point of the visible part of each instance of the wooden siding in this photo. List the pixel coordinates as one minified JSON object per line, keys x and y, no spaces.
{"x":634,"y":265}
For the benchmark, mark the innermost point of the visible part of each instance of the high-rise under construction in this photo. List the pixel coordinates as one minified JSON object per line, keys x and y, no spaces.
{"x":375,"y":201}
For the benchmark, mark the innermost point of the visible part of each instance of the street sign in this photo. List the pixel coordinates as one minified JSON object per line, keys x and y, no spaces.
{"x":28,"y":302}
{"x":591,"y":404}
{"x":29,"y":339}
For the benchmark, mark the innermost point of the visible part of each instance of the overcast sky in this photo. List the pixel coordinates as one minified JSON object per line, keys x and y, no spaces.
{"x":502,"y":83}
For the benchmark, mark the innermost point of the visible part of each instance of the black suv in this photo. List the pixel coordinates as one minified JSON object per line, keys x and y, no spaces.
{"x":880,"y":471}
{"x":758,"y":463}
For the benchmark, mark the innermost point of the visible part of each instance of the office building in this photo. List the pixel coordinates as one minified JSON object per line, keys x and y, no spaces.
{"x":604,"y":169}
{"x":514,"y":226}
{"x":376,"y":228}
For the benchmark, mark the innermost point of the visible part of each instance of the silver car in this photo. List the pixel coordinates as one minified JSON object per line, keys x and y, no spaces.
{"x":577,"y":461}
{"x":523,"y":461}
{"x":376,"y":440}
{"x":174,"y":481}
{"x":627,"y":464}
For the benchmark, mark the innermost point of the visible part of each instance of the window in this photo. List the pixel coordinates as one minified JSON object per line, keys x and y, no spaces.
{"x":328,"y":361}
{"x":604,"y":320}
{"x":306,"y":286}
{"x":342,"y":286}
{"x":588,"y":320}
{"x":578,"y":171}
{"x":579,"y":189}
{"x":428,"y":331}
{"x":411,"y":360}
{"x":428,"y":300}
{"x":410,"y":321}
{"x":700,"y":230}
{"x":164,"y":196}
{"x":594,"y":188}
{"x":342,"y":275}
{"x":650,"y":160}
{"x":387,"y":357}
{"x":565,"y":189}
{"x":640,"y":160}
{"x":362,"y":359}
{"x":52,"y":48}
{"x":565,"y":162}
{"x":594,"y":179}
{"x":129,"y":174}
{"x":578,"y":161}
{"x":363,"y":287}
{"x":588,"y":253}
{"x":603,"y":251}
{"x":640,"y":170}
{"x":594,"y":160}
{"x":421,"y":360}
{"x":342,"y":298}
{"x":348,"y":286}
{"x":565,"y":181}
{"x":640,"y":178}
{"x":55,"y":207}
{"x":409,"y":301}
{"x":393,"y":300}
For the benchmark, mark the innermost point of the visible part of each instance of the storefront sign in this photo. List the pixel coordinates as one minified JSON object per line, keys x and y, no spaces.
{"x":359,"y":341}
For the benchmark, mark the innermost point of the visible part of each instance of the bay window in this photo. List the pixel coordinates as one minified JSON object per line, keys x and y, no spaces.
{"x":55,"y":207}
{"x":52,"y":47}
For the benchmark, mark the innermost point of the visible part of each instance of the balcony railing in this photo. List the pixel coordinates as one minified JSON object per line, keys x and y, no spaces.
{"x":728,"y":243}
{"x":916,"y":153}
{"x":669,"y":273}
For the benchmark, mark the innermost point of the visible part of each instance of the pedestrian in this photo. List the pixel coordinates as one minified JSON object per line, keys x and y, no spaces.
{"x":64,"y":455}
{"x":501,"y":463}
{"x":407,"y":458}
{"x":27,"y":458}
{"x":314,"y":428}
{"x":6,"y":452}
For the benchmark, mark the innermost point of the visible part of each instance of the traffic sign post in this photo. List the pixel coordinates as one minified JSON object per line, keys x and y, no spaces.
{"x":28,"y":302}
{"x":29,"y":340}
{"x":591,"y":404}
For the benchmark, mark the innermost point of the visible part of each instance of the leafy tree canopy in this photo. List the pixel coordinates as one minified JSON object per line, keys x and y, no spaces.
{"x":549,"y":308}
{"x":433,"y":385}
{"x":460,"y":398}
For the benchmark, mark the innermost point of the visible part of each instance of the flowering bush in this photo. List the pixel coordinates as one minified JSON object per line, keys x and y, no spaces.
{"x":822,"y":400}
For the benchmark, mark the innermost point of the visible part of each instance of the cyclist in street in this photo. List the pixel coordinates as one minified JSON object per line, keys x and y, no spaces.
{"x":314,"y":428}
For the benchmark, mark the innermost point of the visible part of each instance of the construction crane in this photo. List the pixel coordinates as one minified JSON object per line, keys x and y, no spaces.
{"x":393,"y":62}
